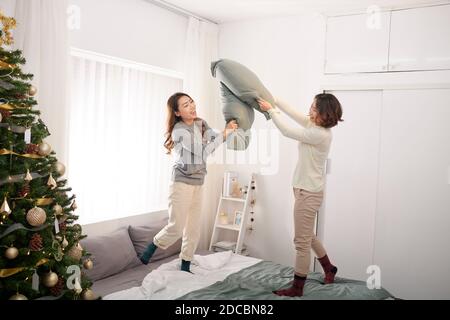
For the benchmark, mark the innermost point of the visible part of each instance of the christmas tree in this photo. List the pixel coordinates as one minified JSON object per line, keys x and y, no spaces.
{"x":40,"y":254}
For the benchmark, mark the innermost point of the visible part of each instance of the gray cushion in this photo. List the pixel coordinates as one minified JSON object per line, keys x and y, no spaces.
{"x":142,"y":236}
{"x":111,"y":254}
{"x":239,"y":88}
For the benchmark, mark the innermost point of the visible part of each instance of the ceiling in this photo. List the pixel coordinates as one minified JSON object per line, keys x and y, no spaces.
{"x":221,"y":11}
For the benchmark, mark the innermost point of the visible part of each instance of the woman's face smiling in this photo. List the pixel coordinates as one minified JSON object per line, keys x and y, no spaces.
{"x":186,"y":109}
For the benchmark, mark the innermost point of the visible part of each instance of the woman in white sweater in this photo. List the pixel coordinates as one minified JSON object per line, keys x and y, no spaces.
{"x":314,"y":136}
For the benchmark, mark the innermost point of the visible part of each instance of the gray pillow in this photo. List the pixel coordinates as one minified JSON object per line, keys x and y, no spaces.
{"x":111,"y":254}
{"x":141,"y":236}
{"x":239,"y":89}
{"x":235,"y":109}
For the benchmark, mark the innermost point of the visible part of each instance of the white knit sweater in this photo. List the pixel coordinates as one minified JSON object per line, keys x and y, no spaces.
{"x":314,"y":145}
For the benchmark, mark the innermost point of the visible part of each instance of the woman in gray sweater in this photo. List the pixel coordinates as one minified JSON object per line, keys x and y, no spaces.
{"x":192,"y":140}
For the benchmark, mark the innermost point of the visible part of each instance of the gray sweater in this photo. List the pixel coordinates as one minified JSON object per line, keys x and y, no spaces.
{"x":191,"y":150}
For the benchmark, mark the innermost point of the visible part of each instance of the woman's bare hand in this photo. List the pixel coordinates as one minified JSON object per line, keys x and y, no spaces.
{"x":231,"y":127}
{"x":264,"y":105}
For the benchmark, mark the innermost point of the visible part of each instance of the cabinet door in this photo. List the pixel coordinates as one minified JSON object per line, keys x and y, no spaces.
{"x":347,"y":217}
{"x":413,"y":206}
{"x":355,"y":44}
{"x":420,"y":39}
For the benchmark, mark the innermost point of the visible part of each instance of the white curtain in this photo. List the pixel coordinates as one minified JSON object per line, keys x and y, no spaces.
{"x":42,"y":35}
{"x":201,"y":50}
{"x":118,"y":165}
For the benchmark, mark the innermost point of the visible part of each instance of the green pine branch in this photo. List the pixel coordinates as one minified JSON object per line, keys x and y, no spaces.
{"x":22,"y":195}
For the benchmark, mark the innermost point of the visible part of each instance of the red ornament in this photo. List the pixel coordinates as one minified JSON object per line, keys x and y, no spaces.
{"x":62,"y":227}
{"x":35,"y":243}
{"x":24,"y":191}
{"x":57,"y":288}
{"x":32,"y":149}
{"x":5,"y":114}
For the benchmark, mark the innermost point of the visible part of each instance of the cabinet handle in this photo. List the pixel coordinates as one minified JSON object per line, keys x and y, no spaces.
{"x":448,"y":175}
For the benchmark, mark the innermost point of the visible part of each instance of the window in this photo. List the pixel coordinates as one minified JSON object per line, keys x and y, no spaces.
{"x":117,"y":165}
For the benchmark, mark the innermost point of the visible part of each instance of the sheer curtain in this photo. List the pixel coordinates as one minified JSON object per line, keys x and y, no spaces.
{"x":117,"y":162}
{"x":201,"y":50}
{"x":42,"y":35}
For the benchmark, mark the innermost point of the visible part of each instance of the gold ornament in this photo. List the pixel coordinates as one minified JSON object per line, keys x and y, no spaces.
{"x":18,"y":296}
{"x":88,"y":264}
{"x":60,"y":168}
{"x":36,"y":216}
{"x":58,"y":209}
{"x":64,"y":243}
{"x":76,"y":252}
{"x":32,"y":91}
{"x":50,"y":279}
{"x":30,"y":156}
{"x":7,"y":25}
{"x":44,"y":201}
{"x":6,"y":106}
{"x":57,"y":251}
{"x":4,"y":65}
{"x":28,"y":176}
{"x":4,"y":209}
{"x":44,"y":149}
{"x":51,"y":182}
{"x":1,"y":117}
{"x":11,"y":253}
{"x":88,"y":294}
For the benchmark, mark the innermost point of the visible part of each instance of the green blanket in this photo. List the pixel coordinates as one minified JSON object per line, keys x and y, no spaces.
{"x":258,"y":281}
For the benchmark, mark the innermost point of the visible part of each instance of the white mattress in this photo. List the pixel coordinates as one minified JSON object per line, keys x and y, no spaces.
{"x":167,"y":282}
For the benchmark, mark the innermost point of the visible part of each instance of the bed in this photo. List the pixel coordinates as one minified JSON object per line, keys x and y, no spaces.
{"x":228,"y":276}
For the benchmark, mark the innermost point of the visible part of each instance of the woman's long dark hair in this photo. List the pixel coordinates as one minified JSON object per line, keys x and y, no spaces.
{"x":172,"y":118}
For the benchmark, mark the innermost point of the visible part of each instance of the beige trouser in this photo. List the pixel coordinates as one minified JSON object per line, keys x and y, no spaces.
{"x":305,"y":209}
{"x":184,"y":219}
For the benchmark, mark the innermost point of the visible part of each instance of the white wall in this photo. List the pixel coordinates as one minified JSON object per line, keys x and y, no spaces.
{"x":131,"y":29}
{"x":7,"y":7}
{"x":287,"y":55}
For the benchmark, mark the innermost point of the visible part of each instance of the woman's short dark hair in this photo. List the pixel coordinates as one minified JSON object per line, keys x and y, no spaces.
{"x":329,"y":109}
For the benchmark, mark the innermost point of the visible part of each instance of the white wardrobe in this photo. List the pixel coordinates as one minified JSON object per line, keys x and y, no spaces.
{"x":387,"y":198}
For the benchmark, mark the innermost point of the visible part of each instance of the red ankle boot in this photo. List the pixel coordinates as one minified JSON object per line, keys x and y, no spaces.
{"x":296,"y":290}
{"x":329,"y":269}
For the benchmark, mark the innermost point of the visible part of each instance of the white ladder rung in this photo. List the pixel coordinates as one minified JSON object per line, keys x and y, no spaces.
{"x":233,"y":199}
{"x":229,"y":227}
